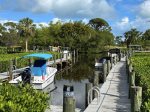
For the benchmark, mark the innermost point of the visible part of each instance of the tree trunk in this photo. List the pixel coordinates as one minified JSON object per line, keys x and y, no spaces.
{"x":26,"y":45}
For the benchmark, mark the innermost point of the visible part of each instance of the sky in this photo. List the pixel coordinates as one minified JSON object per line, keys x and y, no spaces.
{"x":122,"y":15}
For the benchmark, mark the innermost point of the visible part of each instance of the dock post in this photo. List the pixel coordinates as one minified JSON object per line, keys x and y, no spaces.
{"x":104,"y":72}
{"x":129,"y":72}
{"x":136,"y":98}
{"x":68,"y":99}
{"x":10,"y":70}
{"x":61,"y":56}
{"x":111,"y":61}
{"x":131,"y":81}
{"x":15,"y":62}
{"x":108,"y":66}
{"x":54,"y":60}
{"x":96,"y":82}
{"x":88,"y":86}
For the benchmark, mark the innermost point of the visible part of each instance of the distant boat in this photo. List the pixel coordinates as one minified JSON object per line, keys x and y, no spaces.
{"x":40,"y":75}
{"x":99,"y":63}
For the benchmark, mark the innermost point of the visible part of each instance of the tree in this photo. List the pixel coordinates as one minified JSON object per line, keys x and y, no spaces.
{"x":118,"y":40}
{"x":146,"y":35}
{"x":11,"y":35}
{"x":132,"y":37}
{"x":99,"y":24}
{"x":27,"y":29}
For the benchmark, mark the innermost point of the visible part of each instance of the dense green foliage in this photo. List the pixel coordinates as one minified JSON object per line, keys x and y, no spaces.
{"x":73,"y":34}
{"x":17,"y":60}
{"x":141,"y":63}
{"x":22,"y":99}
{"x":3,"y":50}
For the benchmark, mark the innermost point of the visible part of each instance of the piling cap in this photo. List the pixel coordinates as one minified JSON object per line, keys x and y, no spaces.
{"x":68,"y":88}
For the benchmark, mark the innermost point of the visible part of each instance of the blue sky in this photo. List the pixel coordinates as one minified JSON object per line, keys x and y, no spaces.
{"x":122,"y":15}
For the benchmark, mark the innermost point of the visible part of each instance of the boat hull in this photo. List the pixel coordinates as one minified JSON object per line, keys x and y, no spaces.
{"x":38,"y":84}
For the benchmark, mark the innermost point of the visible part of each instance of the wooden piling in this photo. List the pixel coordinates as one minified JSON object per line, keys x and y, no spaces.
{"x":54,"y":60}
{"x":108,"y":66}
{"x":136,"y":98}
{"x":10,"y":70}
{"x":15,"y":62}
{"x":68,"y":99}
{"x":96,"y":82}
{"x":104,"y":72}
{"x":88,"y":86}
{"x":61,"y":56}
{"x":129,"y":71}
{"x":131,"y":81}
{"x":111,"y":61}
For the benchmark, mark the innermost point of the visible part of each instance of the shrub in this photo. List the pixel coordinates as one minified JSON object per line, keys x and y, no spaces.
{"x":22,"y":99}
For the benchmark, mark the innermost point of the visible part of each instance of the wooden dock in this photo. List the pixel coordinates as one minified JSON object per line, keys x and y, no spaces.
{"x":114,"y":92}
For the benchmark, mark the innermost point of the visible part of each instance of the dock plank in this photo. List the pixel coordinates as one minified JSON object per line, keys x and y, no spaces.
{"x":114,"y":92}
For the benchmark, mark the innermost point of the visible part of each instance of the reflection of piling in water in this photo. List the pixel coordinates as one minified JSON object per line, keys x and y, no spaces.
{"x":68,"y":99}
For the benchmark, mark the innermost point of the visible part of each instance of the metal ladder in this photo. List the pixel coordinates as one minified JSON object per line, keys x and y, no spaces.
{"x":90,"y":94}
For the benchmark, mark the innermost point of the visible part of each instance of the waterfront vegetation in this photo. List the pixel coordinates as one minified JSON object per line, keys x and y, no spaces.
{"x":141,"y":63}
{"x":17,"y":60}
{"x":22,"y":99}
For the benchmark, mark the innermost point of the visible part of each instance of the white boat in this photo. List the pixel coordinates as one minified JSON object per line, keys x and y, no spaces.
{"x":40,"y":75}
{"x":99,"y":63}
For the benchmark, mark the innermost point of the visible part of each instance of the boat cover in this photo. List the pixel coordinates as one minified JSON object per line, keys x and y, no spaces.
{"x":39,"y":55}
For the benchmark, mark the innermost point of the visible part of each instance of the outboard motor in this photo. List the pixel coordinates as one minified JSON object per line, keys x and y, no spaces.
{"x":26,"y":76}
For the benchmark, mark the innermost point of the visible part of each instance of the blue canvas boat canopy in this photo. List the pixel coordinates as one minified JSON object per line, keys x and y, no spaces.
{"x":39,"y":55}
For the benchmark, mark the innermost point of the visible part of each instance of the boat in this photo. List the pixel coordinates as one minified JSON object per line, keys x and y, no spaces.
{"x":40,"y":74}
{"x":99,"y":63}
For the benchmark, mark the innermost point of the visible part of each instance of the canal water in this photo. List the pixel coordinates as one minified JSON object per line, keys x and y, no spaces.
{"x":81,"y":72}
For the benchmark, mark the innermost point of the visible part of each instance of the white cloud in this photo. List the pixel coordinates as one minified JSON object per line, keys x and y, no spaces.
{"x":65,"y":8}
{"x":144,"y":9}
{"x":55,"y":20}
{"x":123,"y":24}
{"x":38,"y":25}
{"x":2,"y":21}
{"x":141,"y":24}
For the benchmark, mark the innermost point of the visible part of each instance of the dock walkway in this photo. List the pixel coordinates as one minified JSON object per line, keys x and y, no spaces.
{"x":114,"y":92}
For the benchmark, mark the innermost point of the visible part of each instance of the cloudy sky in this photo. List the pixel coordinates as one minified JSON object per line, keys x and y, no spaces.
{"x":122,"y":15}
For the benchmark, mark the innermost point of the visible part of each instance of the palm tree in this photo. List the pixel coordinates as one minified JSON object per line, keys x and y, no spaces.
{"x":26,"y":29}
{"x":132,"y":37}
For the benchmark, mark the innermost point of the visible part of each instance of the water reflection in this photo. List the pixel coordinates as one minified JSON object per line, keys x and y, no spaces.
{"x":80,"y":73}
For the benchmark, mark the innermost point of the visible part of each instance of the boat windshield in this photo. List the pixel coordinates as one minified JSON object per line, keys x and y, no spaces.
{"x":39,"y":63}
